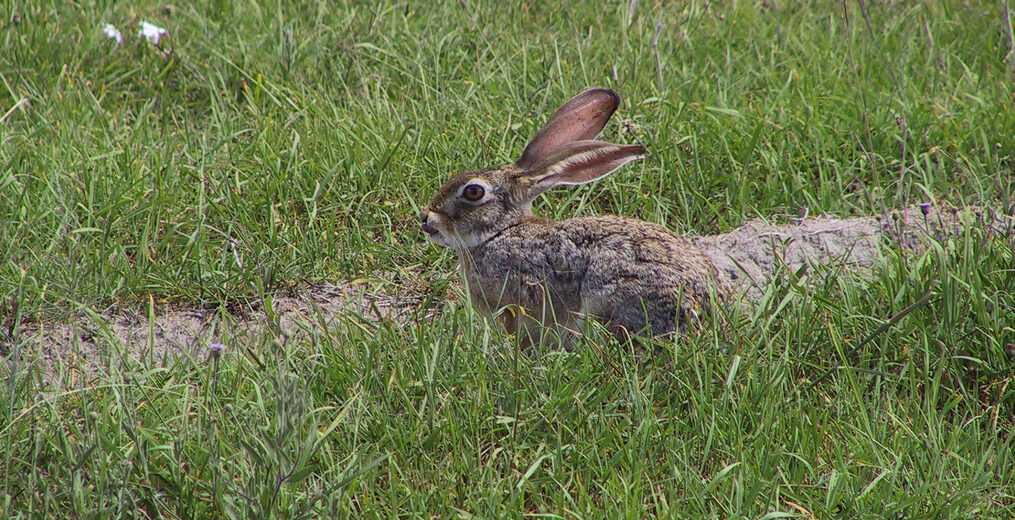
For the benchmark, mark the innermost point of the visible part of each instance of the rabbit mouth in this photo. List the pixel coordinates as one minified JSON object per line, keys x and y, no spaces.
{"x":445,"y":239}
{"x":434,"y":234}
{"x":429,"y":230}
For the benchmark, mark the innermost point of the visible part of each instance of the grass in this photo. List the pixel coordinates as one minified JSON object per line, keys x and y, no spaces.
{"x":288,"y":143}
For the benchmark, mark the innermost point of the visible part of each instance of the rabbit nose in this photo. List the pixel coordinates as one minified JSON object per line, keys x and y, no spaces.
{"x":424,"y":216}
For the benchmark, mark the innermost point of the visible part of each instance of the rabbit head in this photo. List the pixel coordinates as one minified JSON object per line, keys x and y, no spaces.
{"x":475,"y":206}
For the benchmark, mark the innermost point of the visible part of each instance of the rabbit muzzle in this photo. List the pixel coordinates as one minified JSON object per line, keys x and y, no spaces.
{"x":430,"y":225}
{"x":425,"y":226}
{"x":424,"y":217}
{"x":428,"y":229}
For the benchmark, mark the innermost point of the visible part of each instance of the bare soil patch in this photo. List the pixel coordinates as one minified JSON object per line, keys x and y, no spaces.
{"x":750,"y":255}
{"x":753,"y":252}
{"x":175,"y":331}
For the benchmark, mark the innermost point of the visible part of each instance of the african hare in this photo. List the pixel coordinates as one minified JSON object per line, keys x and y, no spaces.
{"x":540,"y":275}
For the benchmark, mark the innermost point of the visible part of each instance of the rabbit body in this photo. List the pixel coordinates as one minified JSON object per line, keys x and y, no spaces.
{"x":632,"y":275}
{"x":538,"y":275}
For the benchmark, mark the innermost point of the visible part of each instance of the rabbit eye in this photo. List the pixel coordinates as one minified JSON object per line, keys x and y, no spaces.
{"x":473,"y":192}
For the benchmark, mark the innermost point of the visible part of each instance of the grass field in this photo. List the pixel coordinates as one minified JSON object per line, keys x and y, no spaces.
{"x":268,"y":146}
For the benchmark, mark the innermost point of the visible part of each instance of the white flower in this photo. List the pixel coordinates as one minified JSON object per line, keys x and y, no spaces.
{"x":112,"y":32}
{"x":153,"y":32}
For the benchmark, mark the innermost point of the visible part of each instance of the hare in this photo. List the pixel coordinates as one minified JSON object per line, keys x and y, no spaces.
{"x":538,"y":275}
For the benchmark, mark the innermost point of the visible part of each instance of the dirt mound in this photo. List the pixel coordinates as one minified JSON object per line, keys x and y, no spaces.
{"x":750,"y":255}
{"x":176,"y":331}
{"x":753,"y":252}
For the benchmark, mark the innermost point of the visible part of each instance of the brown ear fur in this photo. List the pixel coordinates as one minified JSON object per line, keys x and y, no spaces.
{"x":579,"y":162}
{"x":581,"y":118}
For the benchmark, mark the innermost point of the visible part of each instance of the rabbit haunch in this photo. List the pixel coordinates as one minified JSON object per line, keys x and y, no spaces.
{"x":539,"y":275}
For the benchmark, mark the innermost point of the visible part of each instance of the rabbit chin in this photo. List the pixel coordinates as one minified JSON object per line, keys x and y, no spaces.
{"x":459,"y":242}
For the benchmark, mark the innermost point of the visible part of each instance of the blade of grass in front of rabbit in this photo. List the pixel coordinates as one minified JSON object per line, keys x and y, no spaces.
{"x":468,"y":262}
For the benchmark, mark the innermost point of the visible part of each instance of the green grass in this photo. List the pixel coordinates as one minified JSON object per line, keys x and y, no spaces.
{"x":291,"y":143}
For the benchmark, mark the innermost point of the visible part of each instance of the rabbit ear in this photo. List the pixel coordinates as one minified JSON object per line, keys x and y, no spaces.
{"x":581,"y":118}
{"x":580,"y":162}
